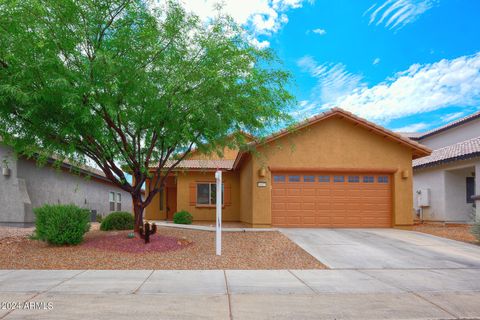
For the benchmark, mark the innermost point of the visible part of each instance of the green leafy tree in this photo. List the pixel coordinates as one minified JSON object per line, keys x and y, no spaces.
{"x":130,"y":87}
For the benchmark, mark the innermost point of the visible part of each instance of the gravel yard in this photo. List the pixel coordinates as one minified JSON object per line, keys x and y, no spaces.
{"x":241,"y":250}
{"x":454,"y":232}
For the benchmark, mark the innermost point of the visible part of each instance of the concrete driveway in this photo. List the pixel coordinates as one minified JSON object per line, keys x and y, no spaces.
{"x":384,"y":249}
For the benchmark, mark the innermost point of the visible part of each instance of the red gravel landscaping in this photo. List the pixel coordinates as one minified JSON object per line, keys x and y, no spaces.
{"x":118,"y":241}
{"x":170,"y":248}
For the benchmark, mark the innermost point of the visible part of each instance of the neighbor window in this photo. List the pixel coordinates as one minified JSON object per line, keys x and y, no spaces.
{"x":470,"y":189}
{"x":323,"y":178}
{"x":115,"y":200}
{"x":207,"y":193}
{"x":382,"y":179}
{"x":308,"y":178}
{"x":279,"y":178}
{"x":353,"y":178}
{"x":294,"y":178}
{"x":119,"y":201}
{"x":338,"y":178}
{"x":368,"y":179}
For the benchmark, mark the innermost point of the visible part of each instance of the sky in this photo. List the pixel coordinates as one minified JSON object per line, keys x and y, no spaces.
{"x":409,"y":65}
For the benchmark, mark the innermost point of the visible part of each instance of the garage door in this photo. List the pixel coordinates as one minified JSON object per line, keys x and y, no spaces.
{"x":332,"y":200}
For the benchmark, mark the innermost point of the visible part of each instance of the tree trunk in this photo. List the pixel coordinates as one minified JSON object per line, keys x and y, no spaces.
{"x":138,"y":212}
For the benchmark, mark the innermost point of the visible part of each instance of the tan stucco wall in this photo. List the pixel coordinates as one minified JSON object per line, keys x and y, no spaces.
{"x":152,"y":211}
{"x":246,"y":191}
{"x":229,"y":213}
{"x":333,"y":143}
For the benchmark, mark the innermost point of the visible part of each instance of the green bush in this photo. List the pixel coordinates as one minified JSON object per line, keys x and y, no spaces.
{"x":118,"y":220}
{"x":182,"y":217}
{"x":61,"y":224}
{"x":476,"y":230}
{"x":99,"y":218}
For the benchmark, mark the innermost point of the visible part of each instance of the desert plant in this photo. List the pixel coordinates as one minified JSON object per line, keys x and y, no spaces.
{"x":182,"y":217}
{"x":476,"y":230}
{"x":61,"y":224}
{"x":147,"y":230}
{"x":119,"y":220}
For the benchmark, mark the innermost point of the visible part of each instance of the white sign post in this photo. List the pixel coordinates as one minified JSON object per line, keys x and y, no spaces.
{"x":218,"y":229}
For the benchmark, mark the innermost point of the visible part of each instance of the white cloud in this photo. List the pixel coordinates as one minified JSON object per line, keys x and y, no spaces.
{"x":376,"y":61}
{"x":395,"y":14}
{"x":451,"y":116}
{"x":419,"y":89}
{"x":333,"y":80}
{"x":260,"y":44}
{"x":262,"y":16}
{"x":319,"y":31}
{"x":416,"y":127}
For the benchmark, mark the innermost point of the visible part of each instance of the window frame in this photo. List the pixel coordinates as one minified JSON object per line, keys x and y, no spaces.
{"x":383,"y":179}
{"x":209,"y":204}
{"x":353,"y":179}
{"x":324,"y":179}
{"x":339,"y":181}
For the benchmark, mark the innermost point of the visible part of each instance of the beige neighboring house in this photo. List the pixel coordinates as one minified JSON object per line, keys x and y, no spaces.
{"x":446,"y":184}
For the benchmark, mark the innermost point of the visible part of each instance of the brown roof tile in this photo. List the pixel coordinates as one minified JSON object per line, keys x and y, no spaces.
{"x":202,"y":164}
{"x":462,"y":150}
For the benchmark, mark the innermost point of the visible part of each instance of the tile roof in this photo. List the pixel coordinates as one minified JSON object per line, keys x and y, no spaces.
{"x":459,"y":151}
{"x":203,"y":164}
{"x":419,"y":136}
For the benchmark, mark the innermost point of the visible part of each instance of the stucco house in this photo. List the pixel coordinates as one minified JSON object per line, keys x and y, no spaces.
{"x":332,"y":170}
{"x":446,"y":182}
{"x":24,"y":186}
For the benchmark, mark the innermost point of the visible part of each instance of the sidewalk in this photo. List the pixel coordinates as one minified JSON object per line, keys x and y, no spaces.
{"x":244,"y":294}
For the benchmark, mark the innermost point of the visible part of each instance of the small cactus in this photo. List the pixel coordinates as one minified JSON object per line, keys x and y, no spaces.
{"x":147,"y":230}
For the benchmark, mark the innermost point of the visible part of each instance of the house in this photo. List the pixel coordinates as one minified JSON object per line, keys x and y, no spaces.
{"x":24,"y":186}
{"x":332,"y":170}
{"x":446,"y":181}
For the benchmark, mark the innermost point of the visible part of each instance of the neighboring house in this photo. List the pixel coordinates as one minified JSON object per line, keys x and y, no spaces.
{"x":332,"y":170}
{"x":445,"y":182}
{"x":26,"y":186}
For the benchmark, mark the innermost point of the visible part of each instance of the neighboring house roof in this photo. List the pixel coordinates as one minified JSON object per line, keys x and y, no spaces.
{"x":419,"y":150}
{"x":202,"y":164}
{"x":459,"y":151}
{"x":410,"y":135}
{"x":450,"y":125}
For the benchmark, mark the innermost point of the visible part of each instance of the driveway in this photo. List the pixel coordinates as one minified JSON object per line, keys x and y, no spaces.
{"x":384,"y":249}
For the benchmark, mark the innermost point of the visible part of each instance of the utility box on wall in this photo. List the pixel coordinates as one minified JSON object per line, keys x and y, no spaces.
{"x":423,"y":197}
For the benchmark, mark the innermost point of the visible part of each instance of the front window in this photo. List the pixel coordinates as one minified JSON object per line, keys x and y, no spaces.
{"x":207,"y":193}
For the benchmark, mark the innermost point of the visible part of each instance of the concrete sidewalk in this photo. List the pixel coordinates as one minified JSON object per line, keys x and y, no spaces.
{"x":243,"y":294}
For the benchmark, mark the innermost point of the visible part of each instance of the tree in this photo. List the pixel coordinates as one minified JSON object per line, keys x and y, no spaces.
{"x":130,"y":87}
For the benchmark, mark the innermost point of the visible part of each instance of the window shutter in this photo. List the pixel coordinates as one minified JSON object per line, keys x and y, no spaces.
{"x":193,"y":194}
{"x":227,"y":194}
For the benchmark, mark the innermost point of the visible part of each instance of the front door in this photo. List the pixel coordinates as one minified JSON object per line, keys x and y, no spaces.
{"x":171,"y":202}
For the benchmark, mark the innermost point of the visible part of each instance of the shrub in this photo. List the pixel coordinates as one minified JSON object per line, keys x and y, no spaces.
{"x":182,"y":217}
{"x":61,"y":224}
{"x":99,"y":218}
{"x":119,"y":220}
{"x":476,"y":230}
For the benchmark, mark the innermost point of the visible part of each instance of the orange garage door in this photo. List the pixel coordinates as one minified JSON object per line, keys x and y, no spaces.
{"x":332,"y":200}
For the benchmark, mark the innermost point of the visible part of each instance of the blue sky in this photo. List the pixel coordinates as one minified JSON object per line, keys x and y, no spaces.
{"x":409,"y":65}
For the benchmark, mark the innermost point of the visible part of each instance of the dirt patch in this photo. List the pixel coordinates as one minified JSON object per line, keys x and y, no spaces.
{"x":241,"y":250}
{"x":454,"y":232}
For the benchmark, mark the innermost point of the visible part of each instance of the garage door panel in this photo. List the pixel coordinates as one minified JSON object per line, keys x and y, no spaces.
{"x":325,"y":203}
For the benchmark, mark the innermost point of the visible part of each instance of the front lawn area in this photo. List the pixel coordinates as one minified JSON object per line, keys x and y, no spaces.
{"x":454,"y":232}
{"x":169,"y":249}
